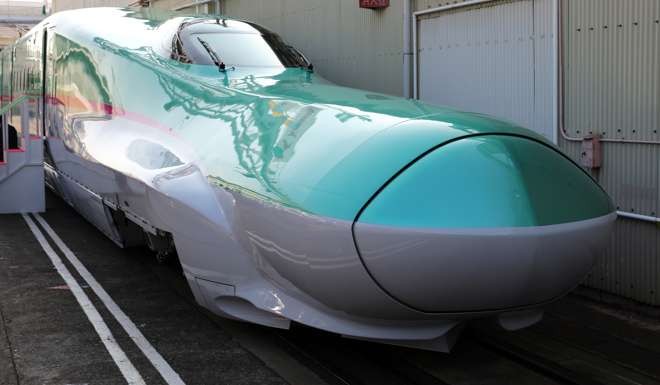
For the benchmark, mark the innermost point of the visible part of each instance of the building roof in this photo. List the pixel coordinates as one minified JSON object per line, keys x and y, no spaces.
{"x":17,"y":17}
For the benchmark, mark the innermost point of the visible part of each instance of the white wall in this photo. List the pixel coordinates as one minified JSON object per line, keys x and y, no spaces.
{"x":61,"y":5}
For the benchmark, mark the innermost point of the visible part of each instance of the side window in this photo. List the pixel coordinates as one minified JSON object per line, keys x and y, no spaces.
{"x":18,"y":124}
{"x":178,"y":53}
{"x":34,"y":106}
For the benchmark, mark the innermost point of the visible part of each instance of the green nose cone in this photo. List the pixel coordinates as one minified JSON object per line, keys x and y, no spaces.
{"x":485,"y":182}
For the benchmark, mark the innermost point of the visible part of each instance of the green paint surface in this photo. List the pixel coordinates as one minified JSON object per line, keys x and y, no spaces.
{"x":489,"y":181}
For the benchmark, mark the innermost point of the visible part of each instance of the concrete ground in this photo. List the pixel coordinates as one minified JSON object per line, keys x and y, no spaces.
{"x":46,"y":338}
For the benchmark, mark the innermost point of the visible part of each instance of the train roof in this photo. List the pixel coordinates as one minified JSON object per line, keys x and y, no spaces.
{"x":149,"y":18}
{"x":129,"y":27}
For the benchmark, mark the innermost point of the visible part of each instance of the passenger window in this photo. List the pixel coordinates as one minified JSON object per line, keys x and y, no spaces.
{"x":14,"y":124}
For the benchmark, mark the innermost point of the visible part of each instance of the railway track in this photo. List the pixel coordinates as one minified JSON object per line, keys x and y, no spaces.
{"x":533,"y":360}
{"x":355,"y":362}
{"x":483,"y":355}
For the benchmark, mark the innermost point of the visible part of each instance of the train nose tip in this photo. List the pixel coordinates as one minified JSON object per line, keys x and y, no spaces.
{"x":484,"y":223}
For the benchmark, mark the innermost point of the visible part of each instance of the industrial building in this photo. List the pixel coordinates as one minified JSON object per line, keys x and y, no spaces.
{"x":17,"y":17}
{"x":584,"y":73}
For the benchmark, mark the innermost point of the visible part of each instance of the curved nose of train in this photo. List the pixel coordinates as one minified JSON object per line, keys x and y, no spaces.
{"x":484,"y":223}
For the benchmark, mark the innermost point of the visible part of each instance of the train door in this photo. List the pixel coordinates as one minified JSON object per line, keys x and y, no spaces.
{"x":14,"y":121}
{"x":2,"y":77}
{"x":50,"y":110}
{"x":7,"y":141}
{"x":2,"y":104}
{"x":44,"y":78}
{"x":53,"y":112}
{"x":47,"y":90}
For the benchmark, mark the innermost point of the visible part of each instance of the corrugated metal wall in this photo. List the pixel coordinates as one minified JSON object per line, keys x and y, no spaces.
{"x":421,"y":5}
{"x":612,"y":88}
{"x":350,"y":46}
{"x":187,"y":6}
{"x":62,"y":5}
{"x":21,"y":8}
{"x":617,"y":43}
{"x":495,"y":58}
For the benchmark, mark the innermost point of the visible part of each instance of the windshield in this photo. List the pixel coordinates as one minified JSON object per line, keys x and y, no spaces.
{"x":234,"y":44}
{"x":240,"y":49}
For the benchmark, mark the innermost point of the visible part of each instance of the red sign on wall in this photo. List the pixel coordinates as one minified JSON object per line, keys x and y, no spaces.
{"x":374,"y":3}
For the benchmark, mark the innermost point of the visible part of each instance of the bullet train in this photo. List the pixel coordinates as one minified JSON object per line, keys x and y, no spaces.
{"x":288,"y":198}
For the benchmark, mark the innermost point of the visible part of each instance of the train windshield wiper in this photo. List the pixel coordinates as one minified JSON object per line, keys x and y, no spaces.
{"x":301,"y":60}
{"x":214,"y":56}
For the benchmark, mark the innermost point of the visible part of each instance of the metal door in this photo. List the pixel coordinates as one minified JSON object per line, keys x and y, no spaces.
{"x":497,"y":58}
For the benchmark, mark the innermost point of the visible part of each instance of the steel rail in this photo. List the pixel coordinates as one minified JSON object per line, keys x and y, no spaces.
{"x":338,"y":355}
{"x":531,"y":359}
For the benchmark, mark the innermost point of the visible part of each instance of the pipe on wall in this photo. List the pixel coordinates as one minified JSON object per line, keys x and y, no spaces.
{"x":638,"y":217}
{"x":560,"y":128}
{"x":407,"y":47}
{"x":556,"y":71}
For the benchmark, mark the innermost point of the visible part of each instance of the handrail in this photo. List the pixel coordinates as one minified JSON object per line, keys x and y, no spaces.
{"x":16,"y":102}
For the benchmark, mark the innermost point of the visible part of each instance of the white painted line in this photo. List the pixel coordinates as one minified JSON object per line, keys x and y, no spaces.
{"x":127,"y":369}
{"x":169,"y":375}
